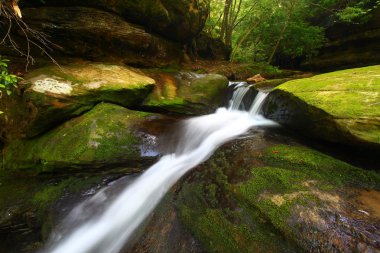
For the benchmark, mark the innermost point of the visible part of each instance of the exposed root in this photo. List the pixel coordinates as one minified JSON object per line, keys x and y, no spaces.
{"x":11,"y":17}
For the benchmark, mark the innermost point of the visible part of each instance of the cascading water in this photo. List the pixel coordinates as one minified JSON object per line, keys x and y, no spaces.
{"x":109,"y":231}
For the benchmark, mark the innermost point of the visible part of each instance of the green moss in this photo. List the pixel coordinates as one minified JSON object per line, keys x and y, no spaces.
{"x":348,"y":93}
{"x":106,"y":134}
{"x":297,"y":177}
{"x":50,"y":193}
{"x":222,"y":229}
{"x":318,"y":166}
{"x":341,"y":106}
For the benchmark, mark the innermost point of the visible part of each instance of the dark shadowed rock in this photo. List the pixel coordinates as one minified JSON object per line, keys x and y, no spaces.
{"x":96,"y":34}
{"x":349,"y":45}
{"x":178,"y":20}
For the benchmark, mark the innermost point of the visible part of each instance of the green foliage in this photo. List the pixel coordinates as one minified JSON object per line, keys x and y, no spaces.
{"x":285,"y":28}
{"x":357,"y":11}
{"x":7,"y":80}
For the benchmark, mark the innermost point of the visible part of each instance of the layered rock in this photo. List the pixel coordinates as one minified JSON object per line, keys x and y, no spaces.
{"x":342,"y":106}
{"x":99,"y":35}
{"x":349,"y":45}
{"x":177,"y":20}
{"x":186,"y":93}
{"x":107,"y":135}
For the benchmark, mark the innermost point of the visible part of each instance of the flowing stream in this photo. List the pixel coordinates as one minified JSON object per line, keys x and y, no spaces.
{"x":201,"y":136}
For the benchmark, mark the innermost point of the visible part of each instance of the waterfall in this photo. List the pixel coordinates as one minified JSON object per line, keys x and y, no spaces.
{"x":108,"y":232}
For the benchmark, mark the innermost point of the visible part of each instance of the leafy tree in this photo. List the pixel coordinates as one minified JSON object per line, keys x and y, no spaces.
{"x":259,"y":30}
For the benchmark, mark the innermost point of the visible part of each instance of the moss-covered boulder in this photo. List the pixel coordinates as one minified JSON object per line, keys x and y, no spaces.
{"x":107,"y":135}
{"x":342,"y":106}
{"x":54,"y":94}
{"x":312,"y":198}
{"x":259,"y":196}
{"x":186,"y":93}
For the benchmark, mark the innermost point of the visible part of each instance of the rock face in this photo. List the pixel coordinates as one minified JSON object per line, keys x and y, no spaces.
{"x":342,"y":106}
{"x":212,"y":48}
{"x":186,"y":93}
{"x":108,"y":134}
{"x":55,"y":94}
{"x":145,"y":33}
{"x":179,"y":20}
{"x":350,"y":45}
{"x":100,"y":35}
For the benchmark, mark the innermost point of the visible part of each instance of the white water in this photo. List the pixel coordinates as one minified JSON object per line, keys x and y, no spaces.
{"x":108,"y":232}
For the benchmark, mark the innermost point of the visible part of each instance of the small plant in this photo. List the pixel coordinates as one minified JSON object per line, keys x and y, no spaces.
{"x":7,"y":80}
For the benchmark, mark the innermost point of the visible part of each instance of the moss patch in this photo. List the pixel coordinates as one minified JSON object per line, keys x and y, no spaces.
{"x":209,"y":209}
{"x":105,"y":135}
{"x":298,"y":176}
{"x":348,"y":93}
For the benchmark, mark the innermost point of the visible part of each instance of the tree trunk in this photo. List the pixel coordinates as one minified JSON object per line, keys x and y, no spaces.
{"x":226,"y":12}
{"x":290,"y":12}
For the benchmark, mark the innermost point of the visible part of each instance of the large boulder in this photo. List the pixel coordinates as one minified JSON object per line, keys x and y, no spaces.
{"x":342,"y":106}
{"x":178,"y":20}
{"x":99,"y":35}
{"x":301,"y":199}
{"x":186,"y":93}
{"x":54,"y":94}
{"x":107,"y":135}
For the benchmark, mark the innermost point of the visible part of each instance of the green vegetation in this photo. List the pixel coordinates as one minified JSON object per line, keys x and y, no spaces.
{"x":261,"y":30}
{"x":7,"y":81}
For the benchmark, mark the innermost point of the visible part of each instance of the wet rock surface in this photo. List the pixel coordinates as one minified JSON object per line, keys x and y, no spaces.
{"x":186,"y":93}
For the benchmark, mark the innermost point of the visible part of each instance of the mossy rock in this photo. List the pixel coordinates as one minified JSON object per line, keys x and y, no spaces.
{"x":302,"y":192}
{"x":108,"y":134}
{"x":208,"y":208}
{"x":253,"y":193}
{"x":56,"y":94}
{"x":186,"y":93}
{"x":341,"y":106}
